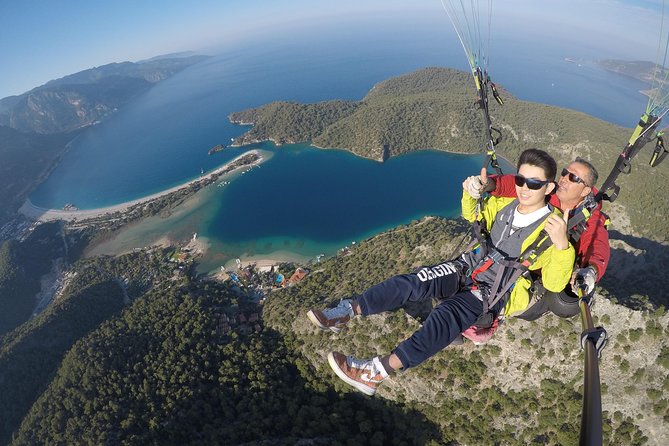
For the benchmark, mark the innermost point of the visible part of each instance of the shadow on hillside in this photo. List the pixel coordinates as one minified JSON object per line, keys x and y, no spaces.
{"x":637,"y":273}
{"x":31,"y":355}
{"x":328,"y":416}
{"x":291,"y":403}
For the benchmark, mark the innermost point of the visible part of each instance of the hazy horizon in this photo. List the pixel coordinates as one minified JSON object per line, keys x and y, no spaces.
{"x":54,"y":40}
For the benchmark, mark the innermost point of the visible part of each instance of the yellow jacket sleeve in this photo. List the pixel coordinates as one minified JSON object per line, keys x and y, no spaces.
{"x":556,"y":267}
{"x":468,"y":204}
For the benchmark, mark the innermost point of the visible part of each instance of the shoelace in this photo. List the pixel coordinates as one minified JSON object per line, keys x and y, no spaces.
{"x":362,"y":364}
{"x":342,"y":309}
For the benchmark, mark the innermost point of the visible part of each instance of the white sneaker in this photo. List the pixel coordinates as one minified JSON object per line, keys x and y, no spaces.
{"x":333,"y":319}
{"x":364,"y":374}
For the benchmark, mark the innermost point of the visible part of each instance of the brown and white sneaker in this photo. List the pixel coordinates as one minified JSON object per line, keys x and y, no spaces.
{"x":364,"y":374}
{"x":332,"y":319}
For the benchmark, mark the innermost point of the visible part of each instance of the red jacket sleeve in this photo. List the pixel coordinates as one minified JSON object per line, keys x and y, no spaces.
{"x":593,"y":247}
{"x":505,"y":186}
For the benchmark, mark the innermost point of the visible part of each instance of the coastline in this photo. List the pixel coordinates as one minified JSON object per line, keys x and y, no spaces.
{"x":29,"y":210}
{"x":244,"y":142}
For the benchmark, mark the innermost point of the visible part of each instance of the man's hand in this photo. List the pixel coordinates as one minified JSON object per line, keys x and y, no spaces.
{"x":584,"y":276}
{"x":474,"y":185}
{"x":556,"y":228}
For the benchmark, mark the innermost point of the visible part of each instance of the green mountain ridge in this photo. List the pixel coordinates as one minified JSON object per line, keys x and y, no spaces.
{"x":25,"y":160}
{"x":36,"y":127}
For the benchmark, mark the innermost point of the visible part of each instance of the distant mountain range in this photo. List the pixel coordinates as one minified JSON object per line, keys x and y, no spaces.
{"x":84,"y":98}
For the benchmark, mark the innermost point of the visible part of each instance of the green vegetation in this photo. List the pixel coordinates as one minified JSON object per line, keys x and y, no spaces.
{"x":291,"y":122}
{"x":163,"y":372}
{"x":170,"y":366}
{"x":20,"y":264}
{"x":460,"y":380}
{"x":15,"y":307}
{"x":25,"y":161}
{"x":31,"y":354}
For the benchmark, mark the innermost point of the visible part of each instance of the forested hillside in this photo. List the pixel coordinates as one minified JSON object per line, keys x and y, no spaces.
{"x":524,"y":386}
{"x":177,"y":367}
{"x":22,"y":264}
{"x":25,"y":160}
{"x":434,"y":108}
{"x":96,"y":290}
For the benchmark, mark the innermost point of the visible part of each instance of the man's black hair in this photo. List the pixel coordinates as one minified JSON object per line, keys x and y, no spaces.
{"x":541,"y":159}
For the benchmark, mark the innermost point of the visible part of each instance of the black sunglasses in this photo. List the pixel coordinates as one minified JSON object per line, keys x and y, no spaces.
{"x":531,"y":183}
{"x":573,"y":177}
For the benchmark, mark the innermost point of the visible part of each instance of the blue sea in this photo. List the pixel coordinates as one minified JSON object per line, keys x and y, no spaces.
{"x":303,"y":201}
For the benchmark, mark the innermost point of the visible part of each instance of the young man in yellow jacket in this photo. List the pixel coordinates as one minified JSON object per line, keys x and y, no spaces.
{"x":467,"y":285}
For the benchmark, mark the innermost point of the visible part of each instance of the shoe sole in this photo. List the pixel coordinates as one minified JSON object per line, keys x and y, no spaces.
{"x":312,"y":317}
{"x":358,"y":386}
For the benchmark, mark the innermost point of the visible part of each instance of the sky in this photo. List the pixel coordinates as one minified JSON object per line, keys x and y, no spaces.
{"x":43,"y":40}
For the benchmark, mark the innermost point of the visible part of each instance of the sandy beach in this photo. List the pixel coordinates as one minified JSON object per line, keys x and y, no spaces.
{"x":43,"y":215}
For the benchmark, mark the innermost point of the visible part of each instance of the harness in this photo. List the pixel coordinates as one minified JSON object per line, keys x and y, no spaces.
{"x":519,"y":267}
{"x":509,"y":269}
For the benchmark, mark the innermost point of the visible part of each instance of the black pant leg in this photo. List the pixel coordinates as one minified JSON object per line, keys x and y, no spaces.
{"x":438,"y":281}
{"x":446,"y":321}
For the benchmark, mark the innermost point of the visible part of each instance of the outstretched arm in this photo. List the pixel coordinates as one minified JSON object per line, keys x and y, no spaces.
{"x":471,"y":192}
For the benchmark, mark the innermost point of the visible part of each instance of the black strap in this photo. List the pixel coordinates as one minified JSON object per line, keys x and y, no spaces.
{"x":660,"y":152}
{"x":642,"y":134}
{"x":482,"y":236}
{"x":521,"y":267}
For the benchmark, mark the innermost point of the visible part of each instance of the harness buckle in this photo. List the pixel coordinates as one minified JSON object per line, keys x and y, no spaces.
{"x":495,"y":256}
